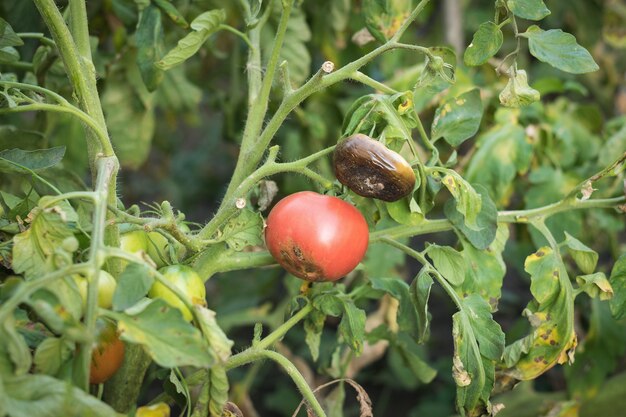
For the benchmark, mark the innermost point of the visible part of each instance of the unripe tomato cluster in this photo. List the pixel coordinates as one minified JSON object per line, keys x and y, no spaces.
{"x":108,"y":350}
{"x":322,"y":238}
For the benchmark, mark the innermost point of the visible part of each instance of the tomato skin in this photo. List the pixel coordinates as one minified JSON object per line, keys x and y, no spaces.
{"x":316,"y":237}
{"x":185,"y":279}
{"x":107,"y":354}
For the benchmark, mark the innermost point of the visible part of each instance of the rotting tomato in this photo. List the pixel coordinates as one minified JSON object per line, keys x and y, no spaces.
{"x":107,"y":354}
{"x":185,"y":279}
{"x":370,"y":169}
{"x":316,"y":237}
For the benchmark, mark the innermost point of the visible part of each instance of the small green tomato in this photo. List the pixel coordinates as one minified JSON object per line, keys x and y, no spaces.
{"x":133,"y":242}
{"x":186,"y":280}
{"x":106,"y":288}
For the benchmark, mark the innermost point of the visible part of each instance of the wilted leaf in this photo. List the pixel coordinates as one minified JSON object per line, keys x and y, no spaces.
{"x":384,"y":17}
{"x":595,"y":285}
{"x":34,"y":249}
{"x":551,"y":315}
{"x":585,"y":257}
{"x":517,"y":92}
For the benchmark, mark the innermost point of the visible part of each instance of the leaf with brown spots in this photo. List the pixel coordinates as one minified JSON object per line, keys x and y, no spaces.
{"x":551,"y":315}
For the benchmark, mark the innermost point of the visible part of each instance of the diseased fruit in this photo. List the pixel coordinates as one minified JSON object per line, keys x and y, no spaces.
{"x":108,"y":352}
{"x":316,"y":237}
{"x":185,"y":279}
{"x":370,"y":169}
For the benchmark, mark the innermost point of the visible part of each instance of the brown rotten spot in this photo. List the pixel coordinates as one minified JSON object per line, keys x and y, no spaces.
{"x":370,"y":169}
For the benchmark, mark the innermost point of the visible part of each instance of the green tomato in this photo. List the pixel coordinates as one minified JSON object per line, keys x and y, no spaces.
{"x":186,"y":280}
{"x":106,"y":288}
{"x":133,"y":242}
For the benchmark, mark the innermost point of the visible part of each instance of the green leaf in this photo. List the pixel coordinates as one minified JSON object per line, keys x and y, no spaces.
{"x":485,"y":269}
{"x":486,"y":221}
{"x":352,"y":326}
{"x":595,"y":285}
{"x":406,"y":211}
{"x":129,"y":111}
{"x":208,"y":20}
{"x":44,"y":396}
{"x":218,"y":390}
{"x":528,"y":9}
{"x":551,"y":315}
{"x":420,"y":293}
{"x":586,"y":258}
{"x":244,"y":230}
{"x":458,"y":119}
{"x":485,"y":44}
{"x":468,"y":201}
{"x":618,"y":282}
{"x":413,"y":357}
{"x":295,"y":50}
{"x":155,"y":325}
{"x":384,"y":17}
{"x":448,"y":262}
{"x":9,"y":54}
{"x":15,"y":357}
{"x":517,"y":92}
{"x":34,"y":249}
{"x":560,"y":50}
{"x":132,"y":285}
{"x":406,"y":315}
{"x":598,"y":354}
{"x":149,"y":40}
{"x":51,"y":354}
{"x":502,"y":153}
{"x":488,"y":333}
{"x":7,"y":36}
{"x":23,"y":162}
{"x":544,"y":268}
{"x":313,"y":326}
{"x":467,"y":369}
{"x":172,"y":12}
{"x":204,"y":26}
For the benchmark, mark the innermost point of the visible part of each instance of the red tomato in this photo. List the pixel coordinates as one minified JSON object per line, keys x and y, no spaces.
{"x":108,"y":353}
{"x":316,"y":237}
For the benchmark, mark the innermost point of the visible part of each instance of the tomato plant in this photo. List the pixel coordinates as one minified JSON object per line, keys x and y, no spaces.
{"x":459,"y":164}
{"x":108,"y":353}
{"x":316,"y":237}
